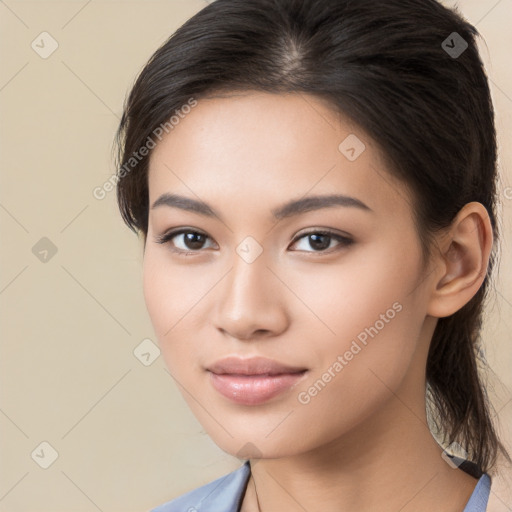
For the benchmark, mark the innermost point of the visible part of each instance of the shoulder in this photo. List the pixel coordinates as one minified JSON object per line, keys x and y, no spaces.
{"x":222,"y":495}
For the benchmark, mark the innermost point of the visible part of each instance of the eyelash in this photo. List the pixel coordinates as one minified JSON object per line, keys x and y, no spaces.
{"x":166,"y":238}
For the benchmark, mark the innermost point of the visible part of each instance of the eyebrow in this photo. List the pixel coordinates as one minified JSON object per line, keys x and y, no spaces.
{"x":289,"y":209}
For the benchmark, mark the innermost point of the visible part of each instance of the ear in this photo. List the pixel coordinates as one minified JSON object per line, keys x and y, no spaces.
{"x":461,"y":264}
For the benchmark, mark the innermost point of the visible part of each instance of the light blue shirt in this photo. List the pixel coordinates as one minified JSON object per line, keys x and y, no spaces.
{"x":226,"y":495}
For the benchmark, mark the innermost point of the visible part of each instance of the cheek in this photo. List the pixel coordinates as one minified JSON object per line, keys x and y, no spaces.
{"x":374,"y":327}
{"x":157,"y":293}
{"x":165,"y":299}
{"x":174,"y":298}
{"x":169,"y":292}
{"x":359,"y":370}
{"x":368,"y":294}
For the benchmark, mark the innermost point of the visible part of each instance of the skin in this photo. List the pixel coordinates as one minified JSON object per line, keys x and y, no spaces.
{"x":362,"y":442}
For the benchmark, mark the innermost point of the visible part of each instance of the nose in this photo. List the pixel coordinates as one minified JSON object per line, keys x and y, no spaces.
{"x":251,"y":302}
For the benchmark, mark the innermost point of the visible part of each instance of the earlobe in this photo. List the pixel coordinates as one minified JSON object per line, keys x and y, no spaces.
{"x":464,"y":251}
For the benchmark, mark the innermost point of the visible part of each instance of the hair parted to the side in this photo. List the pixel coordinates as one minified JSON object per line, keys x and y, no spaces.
{"x":382,"y":65}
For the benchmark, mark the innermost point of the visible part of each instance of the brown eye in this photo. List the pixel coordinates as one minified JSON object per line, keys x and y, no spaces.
{"x":184,"y":240}
{"x":320,"y":241}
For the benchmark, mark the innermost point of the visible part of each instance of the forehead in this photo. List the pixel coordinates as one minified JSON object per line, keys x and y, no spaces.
{"x":253,"y":146}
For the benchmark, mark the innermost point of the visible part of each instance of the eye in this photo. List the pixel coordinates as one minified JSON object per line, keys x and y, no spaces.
{"x":319,"y":241}
{"x":184,"y":240}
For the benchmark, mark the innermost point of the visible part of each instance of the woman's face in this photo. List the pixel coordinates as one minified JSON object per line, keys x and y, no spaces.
{"x":253,"y":274}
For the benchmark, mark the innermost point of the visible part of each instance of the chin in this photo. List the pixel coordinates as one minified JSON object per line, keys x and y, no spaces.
{"x":255,"y":445}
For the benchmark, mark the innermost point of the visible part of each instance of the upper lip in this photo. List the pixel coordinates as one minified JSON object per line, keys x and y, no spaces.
{"x":251,"y":366}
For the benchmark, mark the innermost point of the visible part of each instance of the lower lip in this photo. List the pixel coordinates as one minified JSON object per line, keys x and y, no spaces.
{"x":253,"y":389}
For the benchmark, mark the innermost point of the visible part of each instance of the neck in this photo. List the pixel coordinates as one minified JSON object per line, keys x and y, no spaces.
{"x":388,"y":462}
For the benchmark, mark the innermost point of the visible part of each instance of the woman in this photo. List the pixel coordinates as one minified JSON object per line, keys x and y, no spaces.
{"x":314,"y":181}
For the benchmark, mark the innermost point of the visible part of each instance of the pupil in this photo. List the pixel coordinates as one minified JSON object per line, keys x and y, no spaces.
{"x":316,"y":241}
{"x":194,"y":240}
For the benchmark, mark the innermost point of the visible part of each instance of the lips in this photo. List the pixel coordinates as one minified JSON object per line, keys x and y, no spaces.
{"x":253,"y":381}
{"x":252,"y":366}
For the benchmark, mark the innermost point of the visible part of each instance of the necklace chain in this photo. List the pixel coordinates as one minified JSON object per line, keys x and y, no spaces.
{"x":256,"y":492}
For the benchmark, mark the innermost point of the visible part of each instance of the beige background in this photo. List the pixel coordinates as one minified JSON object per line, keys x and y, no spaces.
{"x":125,"y":439}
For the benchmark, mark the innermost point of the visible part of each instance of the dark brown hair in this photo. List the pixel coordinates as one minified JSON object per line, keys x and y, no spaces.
{"x":407,"y":72}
